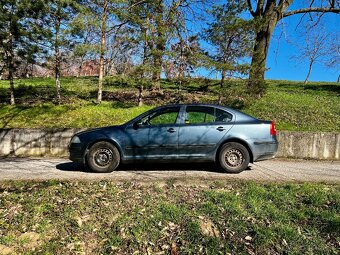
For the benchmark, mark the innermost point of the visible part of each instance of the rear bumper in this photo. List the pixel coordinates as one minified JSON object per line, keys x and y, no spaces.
{"x":263,"y":150}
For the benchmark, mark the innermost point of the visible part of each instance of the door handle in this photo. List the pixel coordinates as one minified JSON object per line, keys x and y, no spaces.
{"x":171,"y":130}
{"x":220,"y":129}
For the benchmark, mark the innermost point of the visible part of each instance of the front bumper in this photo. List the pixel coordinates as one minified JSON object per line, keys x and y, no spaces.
{"x":76,"y":152}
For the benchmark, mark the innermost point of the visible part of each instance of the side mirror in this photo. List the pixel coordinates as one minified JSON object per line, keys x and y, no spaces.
{"x":136,"y":125}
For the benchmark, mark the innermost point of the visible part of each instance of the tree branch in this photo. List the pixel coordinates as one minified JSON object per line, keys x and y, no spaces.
{"x":250,"y":8}
{"x":269,"y":6}
{"x":118,"y":26}
{"x":259,"y":8}
{"x":311,"y":9}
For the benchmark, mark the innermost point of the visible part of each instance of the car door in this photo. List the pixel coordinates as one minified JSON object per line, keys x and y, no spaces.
{"x":154,"y":136}
{"x":203,"y":128}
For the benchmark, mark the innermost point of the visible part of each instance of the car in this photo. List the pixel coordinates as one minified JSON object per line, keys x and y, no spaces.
{"x":179,"y":133}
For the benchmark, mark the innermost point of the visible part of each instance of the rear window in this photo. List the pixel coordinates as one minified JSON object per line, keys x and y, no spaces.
{"x":203,"y":114}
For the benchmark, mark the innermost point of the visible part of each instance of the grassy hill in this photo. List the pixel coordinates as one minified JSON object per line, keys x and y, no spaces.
{"x":292,"y":105}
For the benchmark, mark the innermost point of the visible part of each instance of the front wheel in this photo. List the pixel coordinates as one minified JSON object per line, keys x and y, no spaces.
{"x":234,"y":157}
{"x":103,"y":157}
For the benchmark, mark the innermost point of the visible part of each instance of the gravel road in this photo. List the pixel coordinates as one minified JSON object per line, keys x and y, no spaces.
{"x":271,"y":170}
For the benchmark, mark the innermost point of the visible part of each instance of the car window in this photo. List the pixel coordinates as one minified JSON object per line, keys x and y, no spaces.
{"x":162,"y":117}
{"x":222,"y":116}
{"x":201,"y":114}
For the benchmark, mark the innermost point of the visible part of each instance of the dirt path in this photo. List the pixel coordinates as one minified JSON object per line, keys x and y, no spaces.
{"x":272,"y":170}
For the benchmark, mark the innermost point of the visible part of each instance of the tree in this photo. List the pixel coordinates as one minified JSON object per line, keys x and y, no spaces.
{"x":86,"y":25}
{"x":183,"y":58}
{"x":19,"y":28}
{"x":59,"y":15}
{"x":108,"y":24}
{"x":103,"y":32}
{"x":317,"y":47}
{"x":122,"y":47}
{"x":2,"y":64}
{"x":266,"y":15}
{"x":157,"y":22}
{"x":232,"y":37}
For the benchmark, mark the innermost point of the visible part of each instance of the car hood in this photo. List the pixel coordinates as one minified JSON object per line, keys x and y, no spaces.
{"x":101,"y":130}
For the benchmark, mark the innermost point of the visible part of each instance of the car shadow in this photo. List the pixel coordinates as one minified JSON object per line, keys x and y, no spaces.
{"x":208,"y":167}
{"x":72,"y":167}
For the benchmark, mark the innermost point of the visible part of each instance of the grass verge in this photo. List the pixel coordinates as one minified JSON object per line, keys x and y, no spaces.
{"x":129,"y":218}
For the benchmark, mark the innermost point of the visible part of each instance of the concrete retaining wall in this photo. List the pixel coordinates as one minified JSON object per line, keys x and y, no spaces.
{"x":35,"y":142}
{"x":309,"y":145}
{"x":54,"y":142}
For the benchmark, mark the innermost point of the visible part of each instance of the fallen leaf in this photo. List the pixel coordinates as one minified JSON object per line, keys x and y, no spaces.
{"x":173,"y":249}
{"x":79,"y":221}
{"x":248,"y":238}
{"x":208,"y":228}
{"x":5,"y":250}
{"x":32,"y":238}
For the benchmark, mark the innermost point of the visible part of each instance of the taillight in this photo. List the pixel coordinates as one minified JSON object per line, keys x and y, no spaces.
{"x":272,"y":128}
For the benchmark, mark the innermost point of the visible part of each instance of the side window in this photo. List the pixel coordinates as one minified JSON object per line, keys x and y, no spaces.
{"x":222,"y":116}
{"x":162,"y":117}
{"x":201,"y":114}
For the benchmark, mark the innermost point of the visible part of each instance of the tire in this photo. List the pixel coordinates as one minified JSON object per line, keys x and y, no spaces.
{"x":103,"y":157}
{"x":234,"y":157}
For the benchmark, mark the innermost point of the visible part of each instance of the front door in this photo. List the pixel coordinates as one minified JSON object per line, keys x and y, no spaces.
{"x":155,"y":136}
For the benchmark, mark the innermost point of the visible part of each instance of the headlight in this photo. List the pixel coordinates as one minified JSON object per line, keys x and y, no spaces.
{"x":75,"y":139}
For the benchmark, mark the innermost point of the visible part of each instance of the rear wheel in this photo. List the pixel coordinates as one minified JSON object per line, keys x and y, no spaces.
{"x":103,"y":157}
{"x":234,"y":157}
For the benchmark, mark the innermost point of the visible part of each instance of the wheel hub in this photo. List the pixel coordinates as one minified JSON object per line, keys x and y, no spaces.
{"x":234,"y":158}
{"x":103,"y":157}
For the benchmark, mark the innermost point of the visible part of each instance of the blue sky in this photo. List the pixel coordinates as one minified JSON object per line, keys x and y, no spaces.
{"x":282,"y":49}
{"x":280,"y":62}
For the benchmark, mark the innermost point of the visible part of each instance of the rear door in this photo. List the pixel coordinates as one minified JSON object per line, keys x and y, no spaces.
{"x":203,"y":128}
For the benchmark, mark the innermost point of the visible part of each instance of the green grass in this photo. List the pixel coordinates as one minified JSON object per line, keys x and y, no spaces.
{"x":73,"y":115}
{"x":132,"y":218}
{"x":292,"y":105}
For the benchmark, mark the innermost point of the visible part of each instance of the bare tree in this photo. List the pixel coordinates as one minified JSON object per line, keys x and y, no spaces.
{"x":312,"y":50}
{"x":122,"y":46}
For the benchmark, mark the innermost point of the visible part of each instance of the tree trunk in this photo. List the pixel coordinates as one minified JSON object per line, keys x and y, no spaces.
{"x":256,"y":83}
{"x":140,"y":95}
{"x":224,"y":74}
{"x":80,"y":69}
{"x":57,"y":57}
{"x":158,"y":61}
{"x":11,"y":86}
{"x":309,"y":72}
{"x":145,"y":31}
{"x":160,"y":39}
{"x":11,"y":70}
{"x":156,"y":74}
{"x":102,"y":54}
